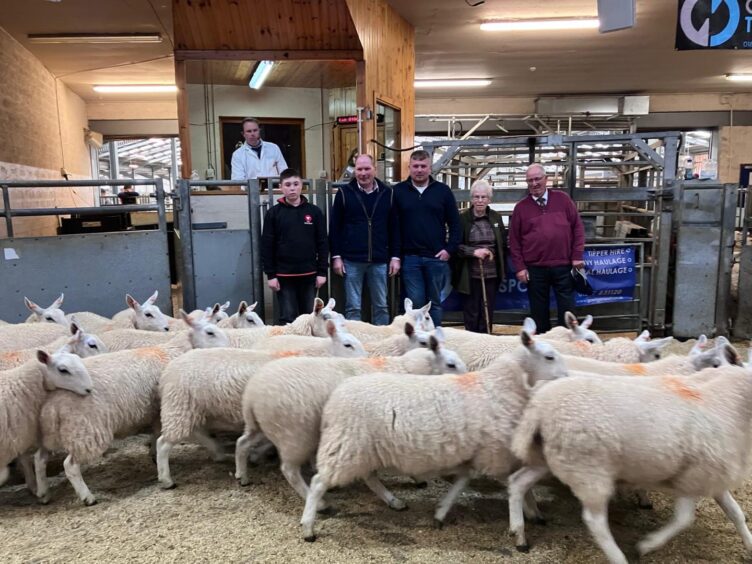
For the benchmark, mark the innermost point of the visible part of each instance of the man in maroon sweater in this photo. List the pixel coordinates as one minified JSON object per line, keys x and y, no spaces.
{"x":546,"y":239}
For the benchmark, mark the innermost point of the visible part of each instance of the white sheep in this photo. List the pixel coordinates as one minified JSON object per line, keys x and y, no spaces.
{"x":397,"y":345}
{"x":23,"y":391}
{"x":573,"y":331}
{"x":366,"y":332}
{"x":687,"y":435}
{"x":213,"y":314}
{"x":204,"y":390}
{"x":49,"y":314}
{"x":421,"y":425}
{"x":284,"y":401}
{"x":26,"y":335}
{"x":81,"y":343}
{"x":339,"y":343}
{"x":146,"y":316}
{"x":244,"y":318}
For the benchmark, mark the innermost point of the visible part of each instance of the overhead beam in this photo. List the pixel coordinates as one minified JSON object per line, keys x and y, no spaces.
{"x":269,"y":55}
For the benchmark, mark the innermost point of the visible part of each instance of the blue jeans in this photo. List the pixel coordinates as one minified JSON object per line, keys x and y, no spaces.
{"x":424,"y":279}
{"x":376,"y":275}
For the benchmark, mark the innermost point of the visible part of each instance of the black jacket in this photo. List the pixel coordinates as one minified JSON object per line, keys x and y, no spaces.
{"x":424,"y":218}
{"x":294,"y":240}
{"x":352,"y":236}
{"x":461,"y":265}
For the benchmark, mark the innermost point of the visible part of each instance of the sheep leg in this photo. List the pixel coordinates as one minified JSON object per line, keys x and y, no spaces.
{"x":40,"y":471}
{"x":375,"y":485}
{"x":243,"y":448}
{"x":595,"y":516}
{"x":73,"y":473}
{"x":519,"y":486}
{"x":4,"y":474}
{"x":293,"y":475}
{"x":313,"y":500}
{"x":27,"y":467}
{"x":163,"y":463}
{"x":201,"y":437}
{"x":736,"y":516}
{"x":446,"y":503}
{"x":684,"y":516}
{"x":530,"y":509}
{"x":261,"y":449}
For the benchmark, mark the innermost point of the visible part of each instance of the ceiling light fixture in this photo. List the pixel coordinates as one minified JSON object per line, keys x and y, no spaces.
{"x":452,"y":83}
{"x":53,"y":38}
{"x":260,"y":73}
{"x":135,"y":88}
{"x":540,"y":24}
{"x":739,"y":77}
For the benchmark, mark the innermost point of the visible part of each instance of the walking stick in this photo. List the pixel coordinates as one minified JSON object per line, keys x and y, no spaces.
{"x":485,"y":297}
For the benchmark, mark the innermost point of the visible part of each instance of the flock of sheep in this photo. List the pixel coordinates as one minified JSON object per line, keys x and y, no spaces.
{"x":351,"y":399}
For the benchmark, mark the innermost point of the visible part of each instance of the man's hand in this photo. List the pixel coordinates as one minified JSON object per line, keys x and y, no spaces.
{"x":338,"y":266}
{"x":442,"y":255}
{"x":273,"y":283}
{"x":320,"y":281}
{"x":483,"y":254}
{"x":578,"y":264}
{"x":394,"y":266}
{"x":523,"y":276}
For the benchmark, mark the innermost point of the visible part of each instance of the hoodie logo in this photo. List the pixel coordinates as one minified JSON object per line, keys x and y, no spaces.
{"x":308,"y":219}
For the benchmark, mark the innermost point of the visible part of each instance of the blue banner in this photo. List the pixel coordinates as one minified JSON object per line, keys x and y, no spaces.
{"x":611,"y":272}
{"x":714,"y":24}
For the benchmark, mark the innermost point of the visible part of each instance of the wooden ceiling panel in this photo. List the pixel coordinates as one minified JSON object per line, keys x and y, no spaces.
{"x":297,"y":74}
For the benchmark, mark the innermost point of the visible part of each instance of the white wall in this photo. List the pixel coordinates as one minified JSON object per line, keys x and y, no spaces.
{"x":233,"y":101}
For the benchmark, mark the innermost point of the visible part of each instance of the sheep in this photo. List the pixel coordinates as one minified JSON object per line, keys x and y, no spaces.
{"x":26,"y":335}
{"x":284,"y":401}
{"x":366,"y":332}
{"x":425,"y":424}
{"x":244,"y":318}
{"x":50,"y":314}
{"x":397,"y":345}
{"x":81,"y":343}
{"x":689,"y":436}
{"x":205,"y":389}
{"x":144,"y":316}
{"x":214,"y":314}
{"x":23,"y":391}
{"x":340,"y":342}
{"x":574,"y":330}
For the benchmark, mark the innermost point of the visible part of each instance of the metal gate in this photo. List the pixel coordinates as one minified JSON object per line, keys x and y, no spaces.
{"x":94,"y":270}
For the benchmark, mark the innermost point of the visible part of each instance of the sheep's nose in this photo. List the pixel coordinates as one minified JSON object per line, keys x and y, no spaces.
{"x":87,"y":390}
{"x":166,"y":328}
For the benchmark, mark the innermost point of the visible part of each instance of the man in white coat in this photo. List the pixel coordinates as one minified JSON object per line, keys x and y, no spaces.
{"x":256,"y":158}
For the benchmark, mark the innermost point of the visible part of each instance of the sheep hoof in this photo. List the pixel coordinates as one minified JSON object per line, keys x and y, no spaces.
{"x":523,"y":548}
{"x":244,"y":482}
{"x":310,"y":538}
{"x":329,"y":511}
{"x":438,"y":524}
{"x":44,"y":500}
{"x":397,"y":505}
{"x":89,"y":501}
{"x":645,"y":505}
{"x":168,"y":485}
{"x":421,"y":485}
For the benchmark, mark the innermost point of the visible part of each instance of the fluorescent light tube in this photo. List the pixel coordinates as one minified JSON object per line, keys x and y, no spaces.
{"x":52,"y":38}
{"x":260,"y":73}
{"x":540,"y":25}
{"x":135,"y":88}
{"x":739,"y":77}
{"x":452,"y":83}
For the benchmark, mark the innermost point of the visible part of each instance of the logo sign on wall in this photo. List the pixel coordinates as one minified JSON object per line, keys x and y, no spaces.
{"x":714,"y":24}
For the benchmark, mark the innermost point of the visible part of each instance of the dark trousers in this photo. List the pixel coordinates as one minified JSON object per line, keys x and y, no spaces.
{"x":475,"y":319}
{"x":295,"y":296}
{"x":542,"y":279}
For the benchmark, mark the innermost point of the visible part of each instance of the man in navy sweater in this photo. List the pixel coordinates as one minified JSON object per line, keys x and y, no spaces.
{"x":546,"y":239}
{"x":363,"y":237}
{"x":430,"y":230}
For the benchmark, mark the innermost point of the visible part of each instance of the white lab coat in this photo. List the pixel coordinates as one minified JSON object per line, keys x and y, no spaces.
{"x":247,"y":165}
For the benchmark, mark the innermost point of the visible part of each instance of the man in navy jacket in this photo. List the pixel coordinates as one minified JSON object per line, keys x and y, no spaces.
{"x":363,"y":238}
{"x":430,"y":230}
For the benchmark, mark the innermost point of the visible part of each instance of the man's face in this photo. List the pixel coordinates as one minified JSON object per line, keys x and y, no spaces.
{"x":536,"y":181}
{"x":129,"y":188}
{"x":364,"y":170}
{"x":420,"y":170}
{"x":251,"y":133}
{"x":291,"y":188}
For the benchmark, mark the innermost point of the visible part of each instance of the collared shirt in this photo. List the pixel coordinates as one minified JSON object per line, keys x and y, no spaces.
{"x":375,"y":187}
{"x":544,"y":196}
{"x":246,"y":164}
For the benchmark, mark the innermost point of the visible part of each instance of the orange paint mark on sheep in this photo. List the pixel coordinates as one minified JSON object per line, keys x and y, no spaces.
{"x":13,"y":356}
{"x":377,"y":362}
{"x":153,"y":353}
{"x":467,"y":380}
{"x":285,"y":354}
{"x":582,"y":345}
{"x":636,"y":369}
{"x":680,"y":388}
{"x":276,"y":331}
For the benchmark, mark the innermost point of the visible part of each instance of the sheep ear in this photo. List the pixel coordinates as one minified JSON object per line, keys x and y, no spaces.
{"x":242,"y":307}
{"x":701,"y":343}
{"x":408,"y":305}
{"x":253,"y":306}
{"x":643,"y":337}
{"x":426,"y":308}
{"x":32,"y":306}
{"x":434,"y":344}
{"x":409,"y":329}
{"x":732,"y":355}
{"x":187,"y":318}
{"x":132,"y":303}
{"x":224,"y":306}
{"x":58,"y":302}
{"x":331,"y":328}
{"x":439,"y":334}
{"x":529,"y":327}
{"x":331,"y":303}
{"x":216,"y":309}
{"x":587,"y":322}
{"x":43,"y":357}
{"x":318,"y":305}
{"x":153,"y":297}
{"x":527,"y":339}
{"x":570,"y":320}
{"x":74,"y":328}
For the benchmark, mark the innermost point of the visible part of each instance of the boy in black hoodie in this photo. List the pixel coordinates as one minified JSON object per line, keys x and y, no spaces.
{"x":294,"y":250}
